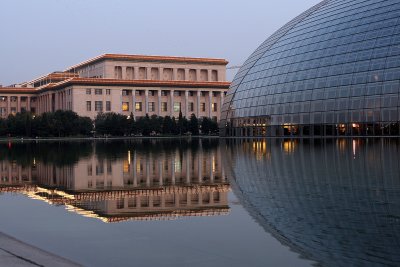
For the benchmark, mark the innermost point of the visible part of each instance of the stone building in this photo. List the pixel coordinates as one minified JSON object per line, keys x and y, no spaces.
{"x":125,"y":84}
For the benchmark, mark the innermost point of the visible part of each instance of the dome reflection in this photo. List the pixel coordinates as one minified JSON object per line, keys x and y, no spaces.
{"x":336,"y":202}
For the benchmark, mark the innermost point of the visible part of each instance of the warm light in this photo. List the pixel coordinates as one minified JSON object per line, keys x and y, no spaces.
{"x":129,"y":157}
{"x":355,"y":125}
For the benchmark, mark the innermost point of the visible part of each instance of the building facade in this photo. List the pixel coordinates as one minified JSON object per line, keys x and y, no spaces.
{"x":125,"y":84}
{"x":333,"y":70}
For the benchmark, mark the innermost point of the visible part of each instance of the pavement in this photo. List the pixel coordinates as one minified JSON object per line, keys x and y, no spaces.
{"x":14,"y":253}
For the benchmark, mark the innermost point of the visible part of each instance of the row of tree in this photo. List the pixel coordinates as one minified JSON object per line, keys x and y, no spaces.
{"x":120,"y":125}
{"x":68,"y":123}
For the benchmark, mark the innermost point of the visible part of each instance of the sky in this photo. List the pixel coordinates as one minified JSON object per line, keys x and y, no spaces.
{"x":42,"y":36}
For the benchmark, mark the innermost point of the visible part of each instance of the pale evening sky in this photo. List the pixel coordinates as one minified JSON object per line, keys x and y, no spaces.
{"x":42,"y":36}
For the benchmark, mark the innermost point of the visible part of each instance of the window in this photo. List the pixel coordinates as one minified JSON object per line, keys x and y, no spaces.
{"x":138,"y":106}
{"x":98,"y":91}
{"x":177,"y":93}
{"x":98,"y":106}
{"x":4,"y":98}
{"x":152,"y":93}
{"x":177,"y":106}
{"x":164,"y":93}
{"x":137,"y":93}
{"x":13,"y":99}
{"x":191,"y":93}
{"x":125,"y":106}
{"x":125,"y":92}
{"x":88,"y":106}
{"x":88,"y":91}
{"x":214,"y":107}
{"x":203,"y":107}
{"x":191,"y":106}
{"x":151,"y":107}
{"x":108,"y":91}
{"x":108,"y":105}
{"x":164,"y":106}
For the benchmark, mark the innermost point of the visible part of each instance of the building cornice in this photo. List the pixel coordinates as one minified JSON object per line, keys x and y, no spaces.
{"x":136,"y":83}
{"x":145,"y":58}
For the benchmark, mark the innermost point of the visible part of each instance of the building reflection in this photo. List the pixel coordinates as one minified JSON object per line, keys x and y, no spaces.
{"x":336,"y":202}
{"x":130,"y":184}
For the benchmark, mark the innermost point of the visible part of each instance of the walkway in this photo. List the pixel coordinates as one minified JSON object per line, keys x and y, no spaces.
{"x":14,"y":253}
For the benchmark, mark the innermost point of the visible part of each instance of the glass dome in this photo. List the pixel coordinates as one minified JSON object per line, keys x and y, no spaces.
{"x":333,"y":70}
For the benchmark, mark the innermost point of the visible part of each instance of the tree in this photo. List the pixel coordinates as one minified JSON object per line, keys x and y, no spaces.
{"x":168,"y":124}
{"x":193,"y":126}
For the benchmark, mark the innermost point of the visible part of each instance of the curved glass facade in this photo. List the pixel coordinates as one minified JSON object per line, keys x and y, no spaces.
{"x":333,"y":70}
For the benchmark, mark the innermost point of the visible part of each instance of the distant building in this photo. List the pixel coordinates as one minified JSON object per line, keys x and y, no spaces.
{"x":125,"y":84}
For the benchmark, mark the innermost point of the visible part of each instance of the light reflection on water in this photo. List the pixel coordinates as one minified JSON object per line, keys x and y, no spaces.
{"x":333,"y":202}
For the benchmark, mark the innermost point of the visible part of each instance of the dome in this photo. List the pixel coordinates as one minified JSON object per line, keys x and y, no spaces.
{"x":333,"y":70}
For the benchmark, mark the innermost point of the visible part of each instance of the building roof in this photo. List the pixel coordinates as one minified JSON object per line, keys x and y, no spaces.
{"x":140,"y":83}
{"x":17,"y":90}
{"x":122,"y":57}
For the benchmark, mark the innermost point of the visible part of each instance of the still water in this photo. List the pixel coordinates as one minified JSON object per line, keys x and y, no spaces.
{"x":206,"y":202}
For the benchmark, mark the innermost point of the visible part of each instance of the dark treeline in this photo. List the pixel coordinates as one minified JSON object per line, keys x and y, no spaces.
{"x":54,"y":124}
{"x":120,"y":125}
{"x":68,"y":123}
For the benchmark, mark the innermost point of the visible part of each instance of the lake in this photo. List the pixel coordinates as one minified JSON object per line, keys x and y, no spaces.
{"x":206,"y":202}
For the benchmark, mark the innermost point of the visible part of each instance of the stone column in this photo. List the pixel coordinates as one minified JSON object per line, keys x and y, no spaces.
{"x":158,"y":102}
{"x":186,"y":108}
{"x":186,"y":74}
{"x":28,"y":104}
{"x":160,"y":74}
{"x":135,"y":73}
{"x":198,"y":104}
{"x":173,"y":171}
{"x":210,"y":103}
{"x":188,"y":168}
{"x":172,"y":102}
{"x":8,"y":105}
{"x":174,"y":74}
{"x":123,"y":74}
{"x":133,"y":103}
{"x":197,"y":75}
{"x":146,"y":101}
{"x":148,"y":73}
{"x":18,"y":104}
{"x":222,"y":95}
{"x":208,"y":75}
{"x":160,"y":172}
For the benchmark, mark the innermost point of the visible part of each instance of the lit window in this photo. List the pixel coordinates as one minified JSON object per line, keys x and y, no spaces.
{"x":108,"y":105}
{"x":98,"y":91}
{"x":214,"y":107}
{"x":177,"y":106}
{"x":125,"y":106}
{"x":88,"y":91}
{"x":88,"y":105}
{"x":138,"y":106}
{"x":164,"y":106}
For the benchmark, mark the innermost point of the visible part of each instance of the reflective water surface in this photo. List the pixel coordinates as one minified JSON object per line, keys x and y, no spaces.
{"x":206,"y":202}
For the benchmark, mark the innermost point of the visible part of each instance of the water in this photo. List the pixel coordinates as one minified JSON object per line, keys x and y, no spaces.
{"x":206,"y":202}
